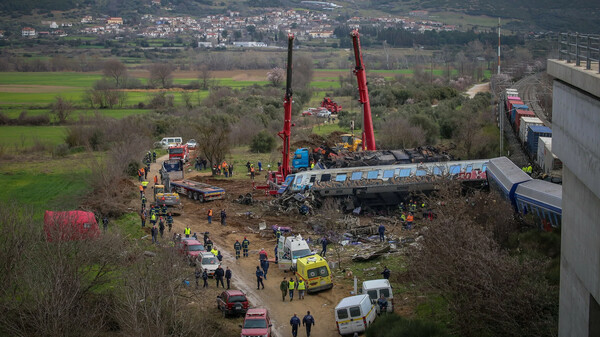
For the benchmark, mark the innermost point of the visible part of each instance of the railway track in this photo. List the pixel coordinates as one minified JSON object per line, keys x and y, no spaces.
{"x":527,"y":91}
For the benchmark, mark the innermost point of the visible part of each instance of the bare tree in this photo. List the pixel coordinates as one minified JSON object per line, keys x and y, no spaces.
{"x":276,"y":76}
{"x":186,"y":96}
{"x":398,"y":133}
{"x":303,"y":78}
{"x":213,"y":138}
{"x":116,"y":70}
{"x":62,"y":109}
{"x":161,"y":74}
{"x":205,"y":77}
{"x":489,"y":291}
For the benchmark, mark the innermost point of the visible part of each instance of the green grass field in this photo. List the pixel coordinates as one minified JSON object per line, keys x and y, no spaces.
{"x":25,"y":136}
{"x":54,"y":184}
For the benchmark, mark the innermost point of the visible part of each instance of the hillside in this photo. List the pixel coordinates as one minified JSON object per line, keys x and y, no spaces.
{"x":532,"y":15}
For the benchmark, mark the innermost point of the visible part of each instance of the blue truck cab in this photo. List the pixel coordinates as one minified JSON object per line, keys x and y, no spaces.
{"x":301,"y":159}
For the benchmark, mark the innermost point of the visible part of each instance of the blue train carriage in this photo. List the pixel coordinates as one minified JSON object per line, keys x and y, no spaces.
{"x":388,"y":175}
{"x":505,"y":176}
{"x":542,"y":199}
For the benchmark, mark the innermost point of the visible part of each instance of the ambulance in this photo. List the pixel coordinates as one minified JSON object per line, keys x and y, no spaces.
{"x":315,"y":272}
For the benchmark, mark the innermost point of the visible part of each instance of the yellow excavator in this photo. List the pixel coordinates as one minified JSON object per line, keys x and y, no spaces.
{"x":349,"y":143}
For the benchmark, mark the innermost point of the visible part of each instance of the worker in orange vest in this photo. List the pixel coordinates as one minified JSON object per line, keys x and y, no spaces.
{"x":252,"y":172}
{"x":210,"y":216}
{"x":155,"y":179}
{"x":141,"y":191}
{"x":409,"y":220}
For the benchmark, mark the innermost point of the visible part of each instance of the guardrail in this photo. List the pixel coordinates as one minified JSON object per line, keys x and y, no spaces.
{"x":579,"y":47}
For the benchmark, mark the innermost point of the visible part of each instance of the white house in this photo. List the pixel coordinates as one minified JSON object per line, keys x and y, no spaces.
{"x":28,"y":31}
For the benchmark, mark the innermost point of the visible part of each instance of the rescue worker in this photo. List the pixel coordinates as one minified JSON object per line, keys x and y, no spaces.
{"x":265,"y":267}
{"x":208,"y":245}
{"x":228,"y":275}
{"x":146,"y":169}
{"x":291,"y":287}
{"x":164,"y":210}
{"x":262,"y":255}
{"x":295,"y":323}
{"x":143,"y":200}
{"x":301,"y":289}
{"x":386,"y":273}
{"x":105,"y":224}
{"x":219,"y":273}
{"x":276,"y":257}
{"x":308,"y":321}
{"x":197,"y":274}
{"x":195,"y":236}
{"x":324,"y":243}
{"x":278,"y":233}
{"x":283,"y":286}
{"x":219,"y":256}
{"x":205,"y":279}
{"x":170,"y":222}
{"x":209,"y":215}
{"x":152,"y":218}
{"x":141,"y":190}
{"x":214,"y":251}
{"x":144,"y":185}
{"x":140,"y":174}
{"x":383,"y":304}
{"x":154,"y":232}
{"x":259,"y":278}
{"x":245,"y":245}
{"x":223,"y":217}
{"x":187,"y":231}
{"x":312,"y":165}
{"x":409,"y":221}
{"x":259,"y":166}
{"x":252,"y":172}
{"x":143,"y":219}
{"x":155,"y":180}
{"x":238,"y":247}
{"x":154,"y":156}
{"x":206,"y":237}
{"x":381,"y":233}
{"x":403,"y":219}
{"x":161,"y":226}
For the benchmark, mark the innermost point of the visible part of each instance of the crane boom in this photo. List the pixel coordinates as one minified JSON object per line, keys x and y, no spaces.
{"x":284,"y":169}
{"x":361,"y":76}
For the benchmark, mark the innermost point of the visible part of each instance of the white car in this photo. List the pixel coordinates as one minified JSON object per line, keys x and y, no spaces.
{"x":192,"y":144}
{"x":209,"y":262}
{"x":324,"y":113}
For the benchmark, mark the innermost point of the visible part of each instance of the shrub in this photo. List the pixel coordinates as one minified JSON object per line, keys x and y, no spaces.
{"x":392,"y":325}
{"x":60,"y":150}
{"x":263,"y":142}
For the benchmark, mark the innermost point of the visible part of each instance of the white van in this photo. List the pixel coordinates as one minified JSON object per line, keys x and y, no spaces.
{"x":289,"y":249}
{"x":354,"y":314}
{"x":169,"y":141}
{"x":376,"y":288}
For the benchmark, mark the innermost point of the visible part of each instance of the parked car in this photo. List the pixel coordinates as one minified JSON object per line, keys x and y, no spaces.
{"x":191,"y":249}
{"x":324,"y":113}
{"x":192,"y":144}
{"x":232,"y":302}
{"x":256,"y":323}
{"x":209,"y":263}
{"x":307,"y":113}
{"x":168,"y":141}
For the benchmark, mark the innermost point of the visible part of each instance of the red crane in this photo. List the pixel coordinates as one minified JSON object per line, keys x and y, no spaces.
{"x":368,"y":135}
{"x":284,"y":169}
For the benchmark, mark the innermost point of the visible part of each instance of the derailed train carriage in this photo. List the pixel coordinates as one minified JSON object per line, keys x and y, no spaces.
{"x":385,"y":184}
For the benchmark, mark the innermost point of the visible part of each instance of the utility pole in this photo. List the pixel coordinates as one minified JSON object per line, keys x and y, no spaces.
{"x":498,"y":46}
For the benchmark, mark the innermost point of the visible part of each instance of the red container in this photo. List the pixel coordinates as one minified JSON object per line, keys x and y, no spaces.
{"x":522,"y":113}
{"x":512,"y":102}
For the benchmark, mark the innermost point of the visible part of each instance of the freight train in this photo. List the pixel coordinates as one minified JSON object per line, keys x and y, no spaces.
{"x":535,"y":137}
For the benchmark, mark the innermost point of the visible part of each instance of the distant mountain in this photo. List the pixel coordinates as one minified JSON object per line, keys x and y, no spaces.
{"x":556,"y":15}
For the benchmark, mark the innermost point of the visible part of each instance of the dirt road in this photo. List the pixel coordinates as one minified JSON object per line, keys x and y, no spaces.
{"x":239,"y":225}
{"x":483,"y":87}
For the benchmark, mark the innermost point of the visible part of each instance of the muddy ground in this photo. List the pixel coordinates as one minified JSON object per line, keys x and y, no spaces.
{"x":240,"y":225}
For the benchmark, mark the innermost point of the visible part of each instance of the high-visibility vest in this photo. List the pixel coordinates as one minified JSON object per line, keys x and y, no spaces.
{"x":252,"y":169}
{"x":188,"y":231}
{"x":301,"y":285}
{"x":410,"y":218}
{"x":141,"y":188}
{"x":153,"y":218}
{"x":291,"y":285}
{"x":210,"y":212}
{"x":144,"y":183}
{"x":214,"y":251}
